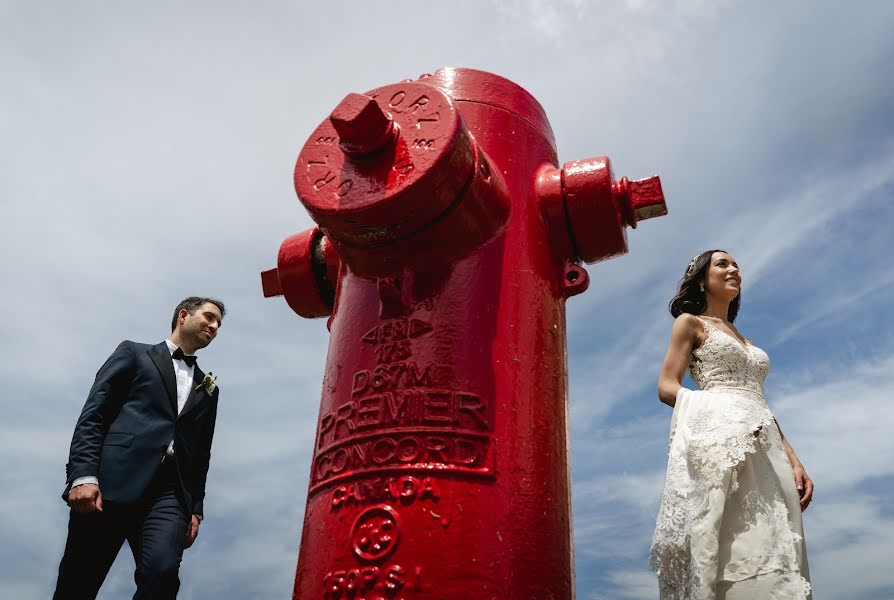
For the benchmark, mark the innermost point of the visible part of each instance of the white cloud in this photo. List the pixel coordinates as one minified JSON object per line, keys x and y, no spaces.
{"x":548,"y":19}
{"x":840,"y":427}
{"x":640,"y":585}
{"x":824,"y":196}
{"x":836,"y":304}
{"x":848,"y":548}
{"x":147,"y":153}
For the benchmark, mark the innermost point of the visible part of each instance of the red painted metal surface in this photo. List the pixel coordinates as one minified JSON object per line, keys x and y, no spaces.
{"x":440,"y":465}
{"x":374,"y":181}
{"x":306,"y":273}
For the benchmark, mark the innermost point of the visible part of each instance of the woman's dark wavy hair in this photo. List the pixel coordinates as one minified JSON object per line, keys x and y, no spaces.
{"x":690,"y":298}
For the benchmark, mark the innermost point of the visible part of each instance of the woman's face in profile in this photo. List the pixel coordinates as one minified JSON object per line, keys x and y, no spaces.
{"x":722,"y":279}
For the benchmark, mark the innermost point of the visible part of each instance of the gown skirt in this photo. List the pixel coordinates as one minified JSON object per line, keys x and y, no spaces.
{"x":729,"y":526}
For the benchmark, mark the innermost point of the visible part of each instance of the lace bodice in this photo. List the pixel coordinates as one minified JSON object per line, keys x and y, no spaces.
{"x":723,"y":362}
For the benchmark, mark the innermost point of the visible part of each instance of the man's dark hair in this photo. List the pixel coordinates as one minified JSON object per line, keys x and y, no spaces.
{"x":194,"y":302}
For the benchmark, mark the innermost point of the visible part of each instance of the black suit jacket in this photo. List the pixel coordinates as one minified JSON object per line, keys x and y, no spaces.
{"x":130,"y":418}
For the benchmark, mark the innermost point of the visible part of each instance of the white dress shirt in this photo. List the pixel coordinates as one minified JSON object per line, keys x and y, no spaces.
{"x":183,"y":375}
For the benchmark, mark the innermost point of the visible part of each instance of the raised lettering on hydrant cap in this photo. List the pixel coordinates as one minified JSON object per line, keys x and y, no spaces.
{"x":447,"y":241}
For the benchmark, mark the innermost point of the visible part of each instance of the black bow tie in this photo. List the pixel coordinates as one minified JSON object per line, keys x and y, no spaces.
{"x":189,"y":360}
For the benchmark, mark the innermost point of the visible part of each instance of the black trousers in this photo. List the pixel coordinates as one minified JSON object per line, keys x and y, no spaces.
{"x":155,"y":528}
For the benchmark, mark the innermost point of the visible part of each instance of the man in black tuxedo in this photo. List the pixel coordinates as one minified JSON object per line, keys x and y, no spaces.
{"x":139,"y":458}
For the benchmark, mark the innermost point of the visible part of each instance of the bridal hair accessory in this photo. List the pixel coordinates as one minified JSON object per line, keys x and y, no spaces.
{"x":691,"y":266}
{"x":208,"y":383}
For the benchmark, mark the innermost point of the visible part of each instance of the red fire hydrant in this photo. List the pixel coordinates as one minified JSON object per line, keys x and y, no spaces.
{"x":448,"y":242}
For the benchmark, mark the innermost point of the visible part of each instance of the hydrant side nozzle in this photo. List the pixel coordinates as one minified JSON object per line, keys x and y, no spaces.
{"x":595,"y":220}
{"x":362,"y":126}
{"x":600,"y":208}
{"x":306,"y":274}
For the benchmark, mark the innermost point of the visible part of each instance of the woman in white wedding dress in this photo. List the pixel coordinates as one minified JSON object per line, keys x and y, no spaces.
{"x":729,"y":526}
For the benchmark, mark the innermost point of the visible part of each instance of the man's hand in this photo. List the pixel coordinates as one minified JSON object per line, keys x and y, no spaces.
{"x":85,"y":498}
{"x":192,"y":532}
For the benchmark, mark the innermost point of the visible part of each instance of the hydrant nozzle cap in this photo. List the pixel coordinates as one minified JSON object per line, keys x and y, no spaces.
{"x":361,"y":124}
{"x":640,"y":199}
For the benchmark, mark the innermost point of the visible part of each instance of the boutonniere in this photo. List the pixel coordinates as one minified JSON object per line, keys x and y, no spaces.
{"x":208,"y":384}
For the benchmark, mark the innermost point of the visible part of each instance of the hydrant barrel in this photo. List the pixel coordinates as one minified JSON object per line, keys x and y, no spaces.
{"x":440,"y":466}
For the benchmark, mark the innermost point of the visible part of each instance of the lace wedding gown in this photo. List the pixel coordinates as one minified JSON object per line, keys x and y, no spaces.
{"x":729,"y":526}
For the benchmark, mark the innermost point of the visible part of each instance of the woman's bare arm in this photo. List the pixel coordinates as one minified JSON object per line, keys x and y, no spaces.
{"x":684,"y":337}
{"x":802,"y":480}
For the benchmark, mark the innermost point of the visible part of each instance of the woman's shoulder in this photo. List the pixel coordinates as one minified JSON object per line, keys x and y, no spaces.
{"x":690,"y":327}
{"x":688,"y":321}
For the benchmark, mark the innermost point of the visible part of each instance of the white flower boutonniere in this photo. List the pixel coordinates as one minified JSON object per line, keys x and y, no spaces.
{"x":208,"y":384}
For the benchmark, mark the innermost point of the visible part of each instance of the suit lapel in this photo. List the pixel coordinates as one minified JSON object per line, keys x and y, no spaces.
{"x":194,"y":396}
{"x":161,"y":356}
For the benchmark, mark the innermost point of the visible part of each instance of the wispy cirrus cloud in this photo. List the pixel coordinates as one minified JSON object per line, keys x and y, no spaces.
{"x":147,"y":154}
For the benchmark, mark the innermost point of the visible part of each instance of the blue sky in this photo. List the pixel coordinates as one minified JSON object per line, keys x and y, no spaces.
{"x":146,"y":153}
